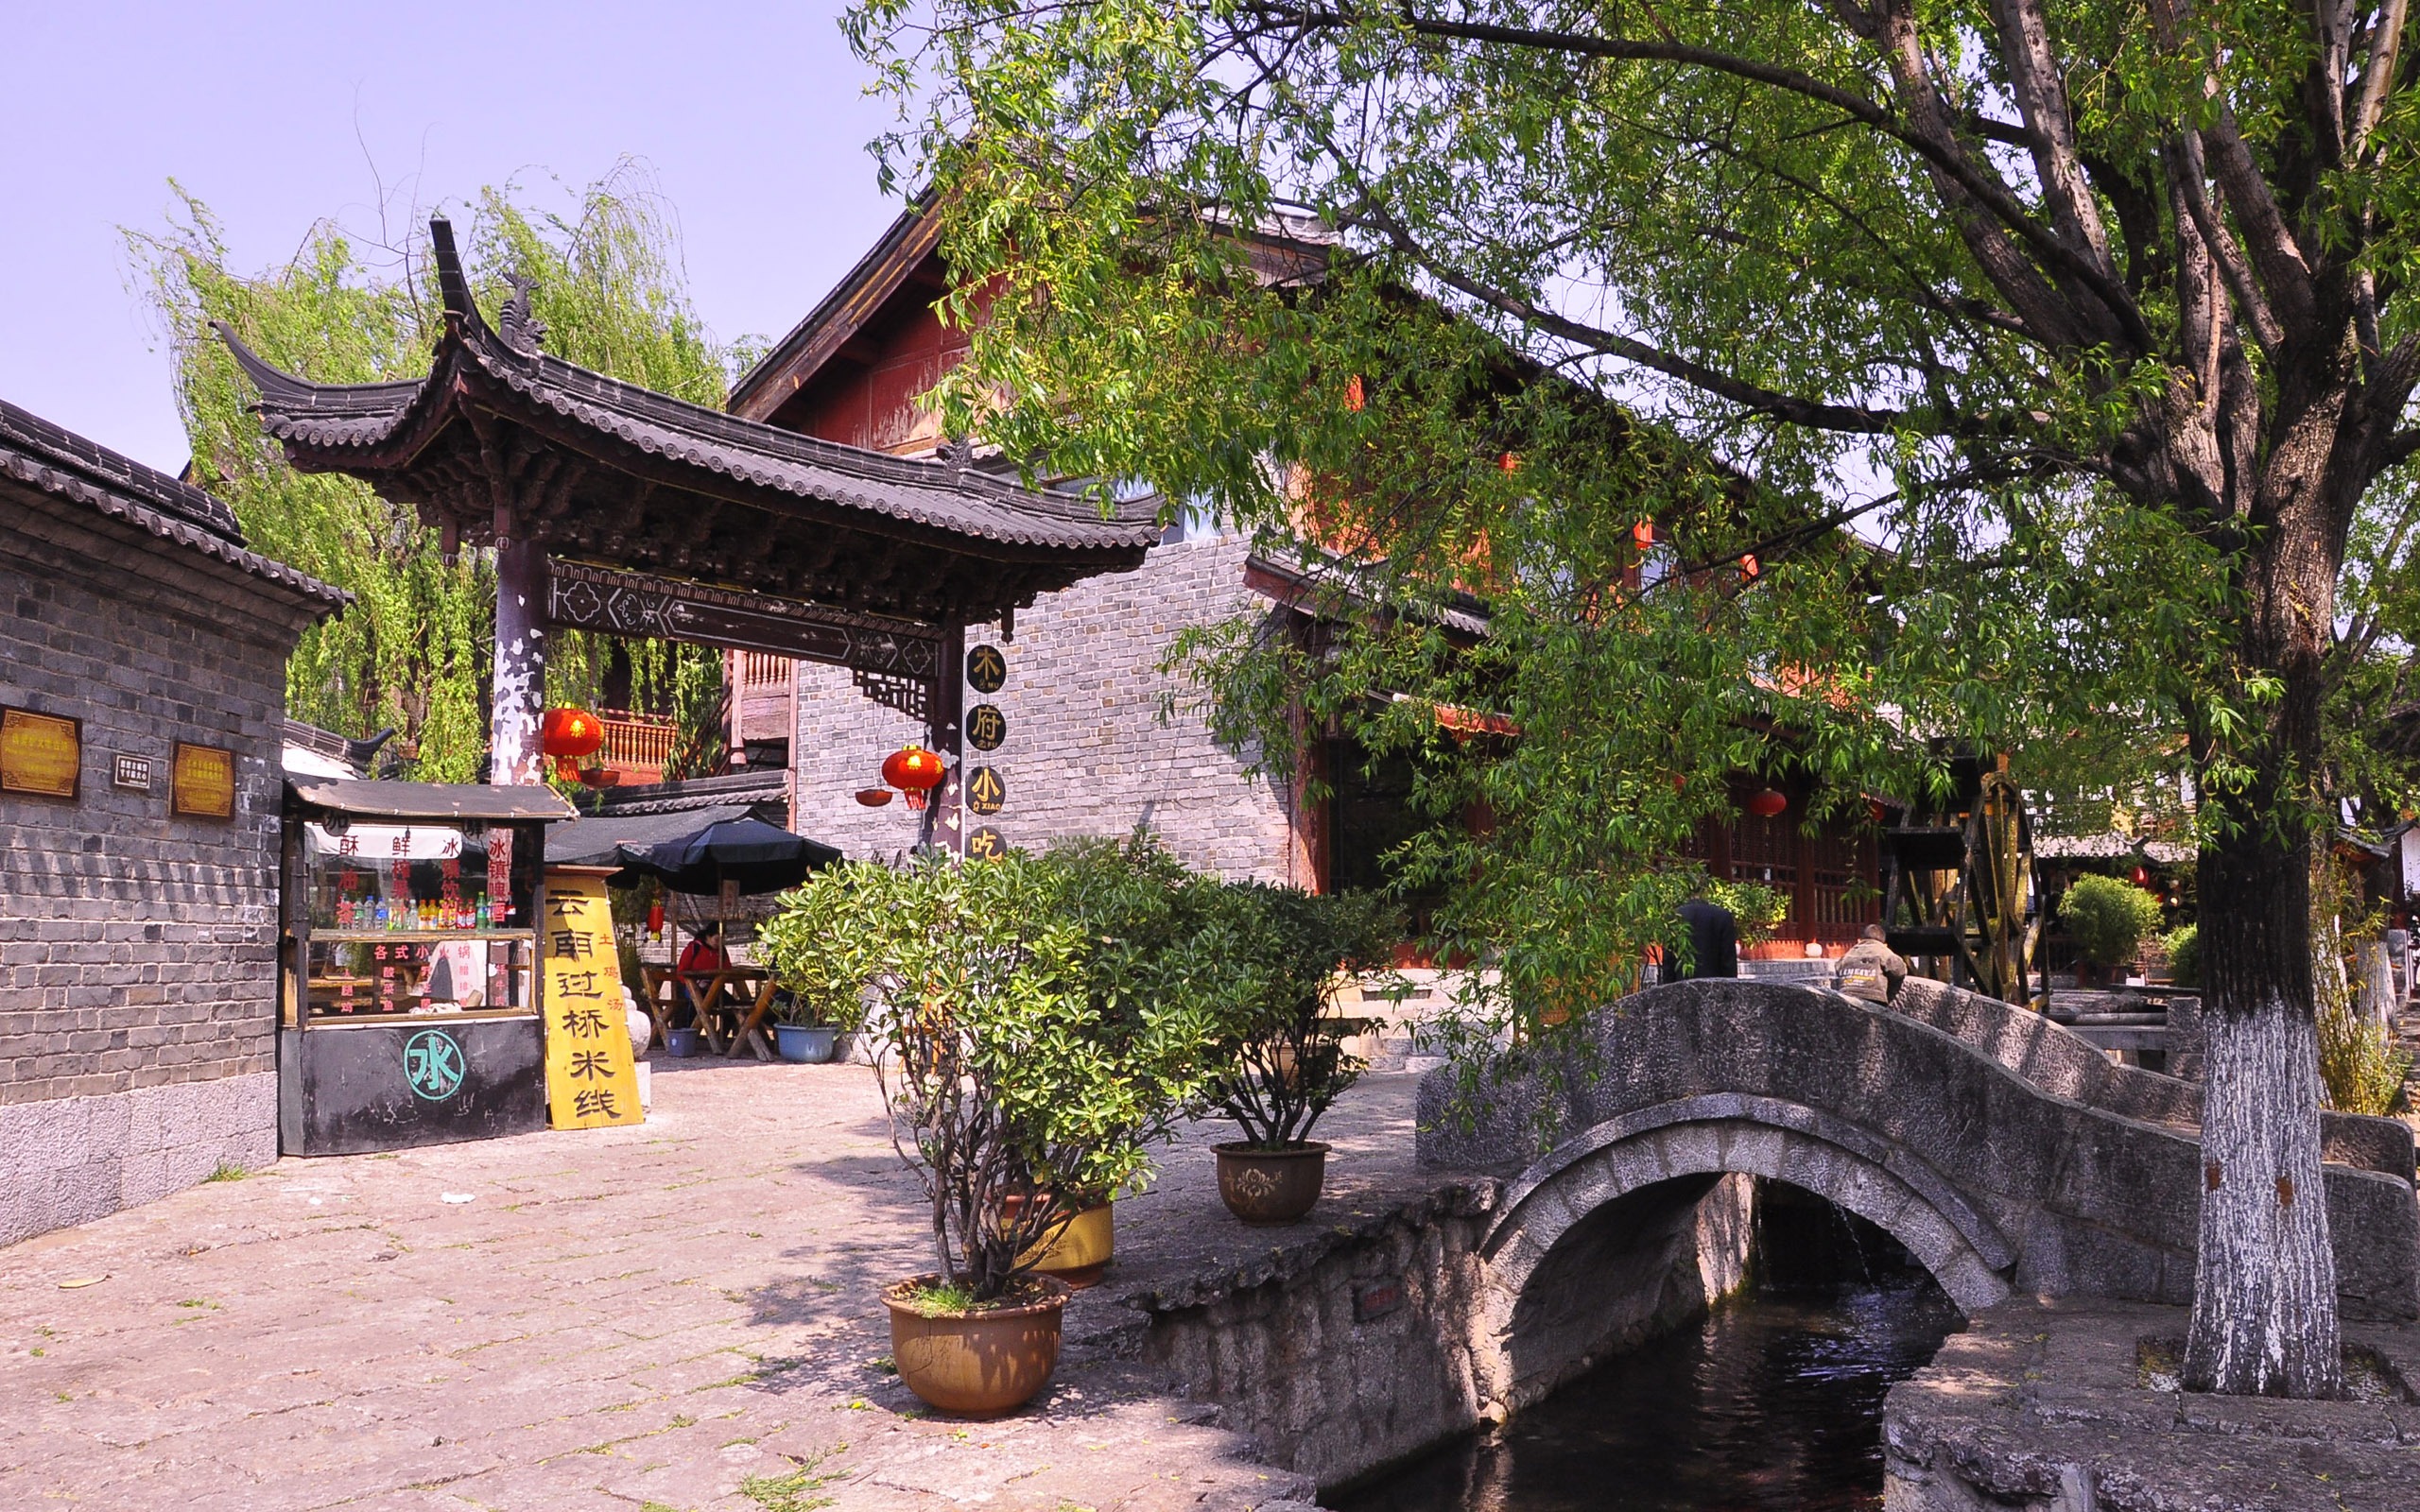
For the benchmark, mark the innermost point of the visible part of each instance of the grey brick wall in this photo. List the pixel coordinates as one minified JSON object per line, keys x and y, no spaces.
{"x":1086,"y":752}
{"x":136,"y":950}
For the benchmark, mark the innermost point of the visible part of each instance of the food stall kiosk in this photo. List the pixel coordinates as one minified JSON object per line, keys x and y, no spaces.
{"x":408,"y":986}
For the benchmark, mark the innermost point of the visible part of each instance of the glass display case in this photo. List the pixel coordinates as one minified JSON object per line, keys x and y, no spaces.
{"x":405,"y":919}
{"x":408,"y":964}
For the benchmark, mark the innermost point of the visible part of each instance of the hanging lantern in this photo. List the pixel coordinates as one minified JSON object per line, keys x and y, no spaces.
{"x":1766,"y":803}
{"x":1875,"y":807}
{"x":567,"y":734}
{"x":1642,"y":535}
{"x":914,"y":771}
{"x":1748,"y":568}
{"x":655,"y":918}
{"x":2142,"y":876}
{"x":1508,"y":462}
{"x":1352,"y":400}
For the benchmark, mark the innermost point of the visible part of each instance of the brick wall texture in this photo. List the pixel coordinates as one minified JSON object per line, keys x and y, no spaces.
{"x":136,"y":950}
{"x":1087,"y":753}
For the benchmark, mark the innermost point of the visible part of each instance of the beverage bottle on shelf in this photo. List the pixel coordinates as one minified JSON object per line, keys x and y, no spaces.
{"x":483,"y":917}
{"x":378,"y":919}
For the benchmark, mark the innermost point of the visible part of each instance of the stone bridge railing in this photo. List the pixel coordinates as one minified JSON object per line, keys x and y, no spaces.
{"x":2006,"y":1153}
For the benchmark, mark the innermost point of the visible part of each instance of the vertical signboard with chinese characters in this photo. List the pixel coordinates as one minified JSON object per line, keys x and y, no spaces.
{"x":591,"y":1079}
{"x":986,"y":788}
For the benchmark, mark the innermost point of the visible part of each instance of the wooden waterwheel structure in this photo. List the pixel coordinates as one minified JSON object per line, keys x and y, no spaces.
{"x":1961,"y":892}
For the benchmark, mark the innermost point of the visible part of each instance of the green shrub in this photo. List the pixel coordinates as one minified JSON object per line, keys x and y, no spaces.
{"x":2108,"y":918}
{"x":2184,"y":947}
{"x":1006,"y":1071}
{"x":1280,"y":1059}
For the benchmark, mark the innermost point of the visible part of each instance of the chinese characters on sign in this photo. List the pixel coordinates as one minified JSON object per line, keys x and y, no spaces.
{"x":591,"y":1079}
{"x":201,"y":783}
{"x":39,"y":753}
{"x":986,"y":727}
{"x":986,"y":844}
{"x":987,"y":670}
{"x":986,"y":791}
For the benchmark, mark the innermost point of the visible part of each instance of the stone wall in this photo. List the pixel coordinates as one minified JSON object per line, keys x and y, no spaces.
{"x":1378,"y":1340}
{"x":1086,"y":752}
{"x":137,"y":974}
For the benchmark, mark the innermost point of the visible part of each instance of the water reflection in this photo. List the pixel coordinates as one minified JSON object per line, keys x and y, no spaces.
{"x":1773,"y":1405}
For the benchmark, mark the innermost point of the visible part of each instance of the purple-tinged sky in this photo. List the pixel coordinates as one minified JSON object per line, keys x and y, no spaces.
{"x":750,"y":116}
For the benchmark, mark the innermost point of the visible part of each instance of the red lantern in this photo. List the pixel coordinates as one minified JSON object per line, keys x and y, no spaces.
{"x":1642,"y":535}
{"x":567,"y":734}
{"x":655,"y":918}
{"x":1748,"y":568}
{"x":1768,"y":803}
{"x":2142,"y":876}
{"x":1352,"y":400}
{"x":1508,"y":462}
{"x":1875,"y":807}
{"x":914,"y":771}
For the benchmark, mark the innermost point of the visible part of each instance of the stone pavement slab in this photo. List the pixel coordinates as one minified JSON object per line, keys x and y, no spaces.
{"x":676,"y":1317}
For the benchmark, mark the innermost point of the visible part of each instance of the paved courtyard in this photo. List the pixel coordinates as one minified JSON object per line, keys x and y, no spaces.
{"x":676,"y":1317}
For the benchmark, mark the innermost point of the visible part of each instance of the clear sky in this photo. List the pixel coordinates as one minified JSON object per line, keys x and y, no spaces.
{"x":750,"y":117}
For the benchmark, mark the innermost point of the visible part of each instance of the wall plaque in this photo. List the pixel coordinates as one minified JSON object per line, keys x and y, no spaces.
{"x":987,"y":670}
{"x":986,"y":791}
{"x":1373,"y":1300}
{"x":130,"y":772}
{"x":202,"y":785}
{"x":986,"y":844}
{"x":43,"y":754}
{"x":986,"y":727}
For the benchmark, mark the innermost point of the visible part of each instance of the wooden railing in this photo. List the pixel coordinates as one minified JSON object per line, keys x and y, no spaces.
{"x":638,"y":744}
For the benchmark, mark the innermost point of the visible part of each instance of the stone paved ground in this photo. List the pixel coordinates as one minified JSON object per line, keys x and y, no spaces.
{"x":677,"y":1317}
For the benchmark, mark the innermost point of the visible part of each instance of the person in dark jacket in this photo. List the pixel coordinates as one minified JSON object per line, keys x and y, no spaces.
{"x":1714,"y":942}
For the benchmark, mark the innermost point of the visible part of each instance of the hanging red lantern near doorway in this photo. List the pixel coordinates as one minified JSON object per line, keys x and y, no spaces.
{"x":1768,"y":803}
{"x":2142,"y":876}
{"x":914,"y":771}
{"x":567,"y":734}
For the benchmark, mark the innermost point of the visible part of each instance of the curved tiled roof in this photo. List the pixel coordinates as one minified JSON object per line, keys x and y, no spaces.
{"x":344,"y":422}
{"x":64,"y":465}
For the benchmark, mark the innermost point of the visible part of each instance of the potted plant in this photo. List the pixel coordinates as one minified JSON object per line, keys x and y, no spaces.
{"x":1006,"y":1090}
{"x":2108,"y":918}
{"x":1281,"y":1059}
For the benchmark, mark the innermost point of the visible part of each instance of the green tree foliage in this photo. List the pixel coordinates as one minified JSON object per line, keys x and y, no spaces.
{"x":413,"y":653}
{"x":2109,"y":919}
{"x":2093,"y":315}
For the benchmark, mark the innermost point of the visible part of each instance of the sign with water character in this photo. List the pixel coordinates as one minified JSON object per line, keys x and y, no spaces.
{"x":591,"y":1079}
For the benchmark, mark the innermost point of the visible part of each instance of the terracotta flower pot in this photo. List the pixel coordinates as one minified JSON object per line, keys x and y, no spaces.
{"x":1079,"y":1251}
{"x":1270,"y":1186}
{"x":980,"y":1364}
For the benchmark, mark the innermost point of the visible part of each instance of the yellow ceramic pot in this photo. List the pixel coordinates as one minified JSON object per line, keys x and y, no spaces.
{"x":1082,"y":1249}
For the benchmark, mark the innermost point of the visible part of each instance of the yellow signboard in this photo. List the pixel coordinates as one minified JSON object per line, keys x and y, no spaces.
{"x":39,"y":753}
{"x":591,"y":1079}
{"x":202,"y":783}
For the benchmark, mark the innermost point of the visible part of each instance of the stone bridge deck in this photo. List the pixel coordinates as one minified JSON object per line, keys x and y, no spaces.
{"x":2006,"y":1152}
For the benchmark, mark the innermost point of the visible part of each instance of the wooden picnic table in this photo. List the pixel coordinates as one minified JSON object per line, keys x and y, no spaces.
{"x":752,"y":997}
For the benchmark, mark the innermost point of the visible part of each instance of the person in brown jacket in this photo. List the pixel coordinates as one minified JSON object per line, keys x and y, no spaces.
{"x":1871,"y":968}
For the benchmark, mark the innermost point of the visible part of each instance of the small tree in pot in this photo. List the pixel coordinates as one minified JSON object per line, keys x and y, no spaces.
{"x":1281,"y":1059}
{"x":2109,"y":921}
{"x":1007,"y":1092}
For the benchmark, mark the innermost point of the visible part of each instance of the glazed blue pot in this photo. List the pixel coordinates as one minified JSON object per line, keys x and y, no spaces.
{"x":680,"y":1043}
{"x":809,"y":1046}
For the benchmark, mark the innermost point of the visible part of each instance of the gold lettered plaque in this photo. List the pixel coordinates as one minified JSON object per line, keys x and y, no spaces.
{"x":42,"y":754}
{"x":202,"y":785}
{"x":591,"y":1079}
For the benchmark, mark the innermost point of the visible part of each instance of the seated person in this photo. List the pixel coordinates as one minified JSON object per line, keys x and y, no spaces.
{"x":1870,"y":969}
{"x":700,"y":960}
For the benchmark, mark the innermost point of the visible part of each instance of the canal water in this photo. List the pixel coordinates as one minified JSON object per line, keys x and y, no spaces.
{"x":1772,"y":1404}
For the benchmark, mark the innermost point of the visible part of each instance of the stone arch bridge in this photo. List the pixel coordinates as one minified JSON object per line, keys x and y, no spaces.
{"x":2006,"y":1153}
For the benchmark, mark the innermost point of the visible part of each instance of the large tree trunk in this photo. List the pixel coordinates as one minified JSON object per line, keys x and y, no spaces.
{"x":2264,"y":1292}
{"x":2264,"y":1295}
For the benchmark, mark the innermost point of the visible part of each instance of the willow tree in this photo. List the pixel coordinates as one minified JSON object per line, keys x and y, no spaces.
{"x":2093,"y":311}
{"x":413,"y":653}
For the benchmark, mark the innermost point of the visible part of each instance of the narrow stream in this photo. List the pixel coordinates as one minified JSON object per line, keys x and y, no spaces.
{"x":1772,"y":1404}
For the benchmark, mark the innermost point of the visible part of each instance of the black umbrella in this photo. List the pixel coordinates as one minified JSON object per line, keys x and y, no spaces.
{"x":760,"y":857}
